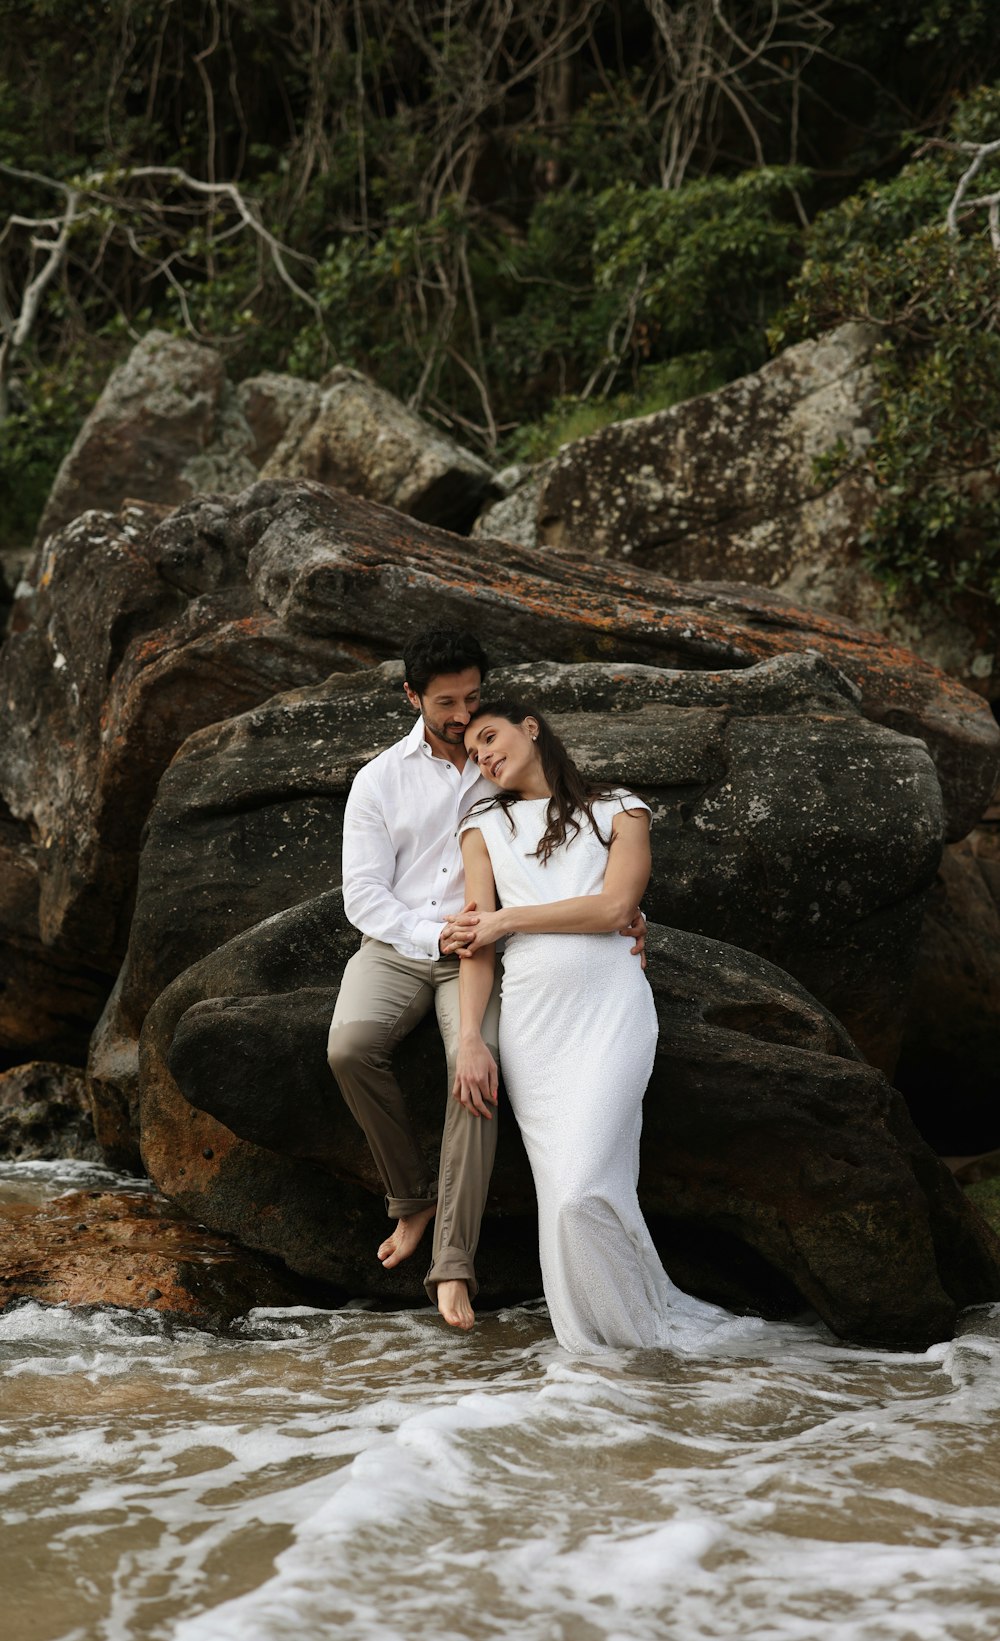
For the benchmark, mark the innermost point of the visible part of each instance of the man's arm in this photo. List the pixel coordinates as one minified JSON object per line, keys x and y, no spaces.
{"x":625,"y":879}
{"x":369,"y":863}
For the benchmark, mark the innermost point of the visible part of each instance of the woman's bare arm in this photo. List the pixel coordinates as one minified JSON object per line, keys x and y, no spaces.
{"x":475,"y":1084}
{"x":626,"y":877}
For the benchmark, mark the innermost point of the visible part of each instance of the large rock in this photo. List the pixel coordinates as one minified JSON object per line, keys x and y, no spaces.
{"x":765,"y":1131}
{"x":134,"y":643}
{"x":45,"y":1114}
{"x":952,"y":1036}
{"x":514,"y":515}
{"x":49,"y":997}
{"x":730,"y":486}
{"x":271,"y":402}
{"x":167,"y":425}
{"x":330,"y":565}
{"x":133,"y":1250}
{"x":355,"y":436}
{"x":139,"y":636}
{"x":785,"y":822}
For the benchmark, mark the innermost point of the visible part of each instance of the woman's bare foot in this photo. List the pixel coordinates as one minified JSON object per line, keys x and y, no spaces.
{"x":405,"y":1239}
{"x":453,"y":1303}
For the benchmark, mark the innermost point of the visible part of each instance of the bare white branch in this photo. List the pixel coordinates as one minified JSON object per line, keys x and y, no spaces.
{"x":138,"y":209}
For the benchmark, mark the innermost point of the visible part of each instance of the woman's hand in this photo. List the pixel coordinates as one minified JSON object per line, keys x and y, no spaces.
{"x":636,"y":927}
{"x":476,"y":1080}
{"x":478,"y":929}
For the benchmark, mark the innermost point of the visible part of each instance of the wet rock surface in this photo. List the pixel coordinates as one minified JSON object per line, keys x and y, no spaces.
{"x":764,"y":1129}
{"x":133,"y":1249}
{"x":45,"y":1114}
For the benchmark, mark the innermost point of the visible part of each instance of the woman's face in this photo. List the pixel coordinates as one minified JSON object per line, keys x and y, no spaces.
{"x":505,"y":752}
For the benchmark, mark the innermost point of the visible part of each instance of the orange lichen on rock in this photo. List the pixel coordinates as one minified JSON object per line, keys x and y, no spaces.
{"x":131,"y":1249}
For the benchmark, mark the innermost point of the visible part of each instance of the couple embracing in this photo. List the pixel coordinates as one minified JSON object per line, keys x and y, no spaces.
{"x":476,"y":828}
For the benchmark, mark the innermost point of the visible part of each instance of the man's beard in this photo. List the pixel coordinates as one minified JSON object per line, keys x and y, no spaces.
{"x":452,"y":734}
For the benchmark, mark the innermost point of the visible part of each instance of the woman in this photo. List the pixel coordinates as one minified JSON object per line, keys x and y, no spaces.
{"x":577,"y":1026}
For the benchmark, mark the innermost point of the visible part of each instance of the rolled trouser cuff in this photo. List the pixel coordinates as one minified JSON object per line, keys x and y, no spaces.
{"x":451,"y":1265}
{"x":403,"y":1207}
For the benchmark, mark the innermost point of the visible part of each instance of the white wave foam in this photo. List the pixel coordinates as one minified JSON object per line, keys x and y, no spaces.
{"x":371,"y":1475}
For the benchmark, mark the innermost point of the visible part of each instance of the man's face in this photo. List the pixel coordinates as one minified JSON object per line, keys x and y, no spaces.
{"x":447,"y":704}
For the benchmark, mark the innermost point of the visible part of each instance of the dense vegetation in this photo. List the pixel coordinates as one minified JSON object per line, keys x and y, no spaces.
{"x":525,"y":216}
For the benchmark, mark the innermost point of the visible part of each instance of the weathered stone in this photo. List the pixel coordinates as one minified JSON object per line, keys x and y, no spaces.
{"x":726,"y":487}
{"x":166,"y":425}
{"x":515,"y":516}
{"x":787,"y":1140}
{"x":357,"y":437}
{"x":136,"y":640}
{"x":270,"y":403}
{"x":133,"y":1249}
{"x":49,"y":999}
{"x":785,"y":822}
{"x":45,"y":1114}
{"x":330,"y":565}
{"x":763,"y":1126}
{"x":139,"y":638}
{"x":952,"y":1037}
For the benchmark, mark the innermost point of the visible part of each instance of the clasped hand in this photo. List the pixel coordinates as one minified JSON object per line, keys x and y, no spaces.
{"x":467,"y":932}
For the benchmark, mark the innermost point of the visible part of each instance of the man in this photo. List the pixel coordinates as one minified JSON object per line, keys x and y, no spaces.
{"x":403,"y":883}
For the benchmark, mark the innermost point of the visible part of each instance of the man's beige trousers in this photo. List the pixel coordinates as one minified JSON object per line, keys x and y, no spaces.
{"x":382,"y":997}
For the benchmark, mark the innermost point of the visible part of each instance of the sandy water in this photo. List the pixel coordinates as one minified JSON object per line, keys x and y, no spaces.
{"x":373,"y":1475}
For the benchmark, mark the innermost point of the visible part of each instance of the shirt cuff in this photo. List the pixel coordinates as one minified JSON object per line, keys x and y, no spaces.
{"x":427,"y":935}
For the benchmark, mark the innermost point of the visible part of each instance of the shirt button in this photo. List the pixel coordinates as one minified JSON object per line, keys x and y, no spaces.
{"x":445,"y":870}
{"x":433,"y":902}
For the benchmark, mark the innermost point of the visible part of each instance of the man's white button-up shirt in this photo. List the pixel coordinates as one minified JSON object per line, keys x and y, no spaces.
{"x":402,"y":861}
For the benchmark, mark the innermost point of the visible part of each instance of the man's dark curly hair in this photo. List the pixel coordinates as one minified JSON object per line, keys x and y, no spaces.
{"x":441,"y":649}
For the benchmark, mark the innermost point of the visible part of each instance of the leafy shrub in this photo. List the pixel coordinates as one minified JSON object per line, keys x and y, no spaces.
{"x":886,"y":256}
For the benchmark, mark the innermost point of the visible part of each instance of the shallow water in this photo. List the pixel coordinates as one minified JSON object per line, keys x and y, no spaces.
{"x":376,"y":1476}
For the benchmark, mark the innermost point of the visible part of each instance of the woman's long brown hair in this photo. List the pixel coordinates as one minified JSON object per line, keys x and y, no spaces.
{"x":571,"y":793}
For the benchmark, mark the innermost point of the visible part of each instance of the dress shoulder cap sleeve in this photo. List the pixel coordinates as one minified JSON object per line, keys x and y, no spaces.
{"x":621,"y":798}
{"x":471,"y":823}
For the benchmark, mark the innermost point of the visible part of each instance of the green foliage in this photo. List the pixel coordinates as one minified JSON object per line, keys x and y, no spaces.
{"x":886,"y":256}
{"x":985,"y":1197}
{"x":482,"y":216}
{"x":35,"y":437}
{"x":706,"y":264}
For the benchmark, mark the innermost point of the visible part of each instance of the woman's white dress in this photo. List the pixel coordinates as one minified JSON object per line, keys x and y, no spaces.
{"x":577,"y":1038}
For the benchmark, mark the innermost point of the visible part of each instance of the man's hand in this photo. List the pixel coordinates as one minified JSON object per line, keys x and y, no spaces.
{"x":453,"y":939}
{"x":479,"y":929}
{"x":476,"y":1079}
{"x":636,"y":927}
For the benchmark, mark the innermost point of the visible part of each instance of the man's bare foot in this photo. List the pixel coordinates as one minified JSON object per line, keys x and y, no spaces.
{"x":453,"y":1303}
{"x":405,"y":1239}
